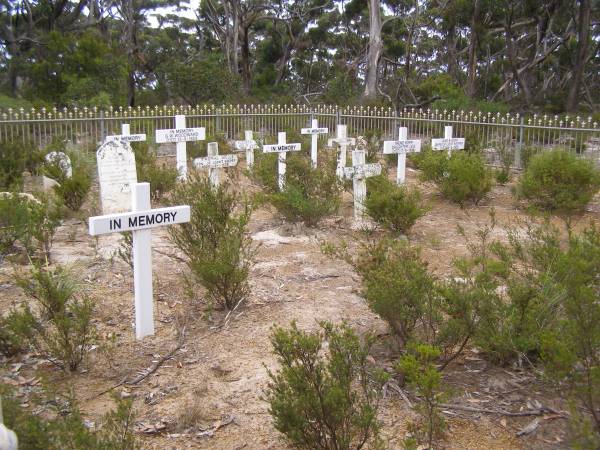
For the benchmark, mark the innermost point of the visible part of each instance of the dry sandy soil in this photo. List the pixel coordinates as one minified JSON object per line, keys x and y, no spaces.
{"x":216,"y":379}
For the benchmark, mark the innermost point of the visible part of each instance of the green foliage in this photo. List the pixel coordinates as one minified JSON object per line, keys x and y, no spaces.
{"x":559,"y":182}
{"x":15,"y":158}
{"x":319,"y":401}
{"x":309,"y":194}
{"x":264,"y":171}
{"x":12,"y":330}
{"x":419,"y":371}
{"x":66,"y":429}
{"x":61,"y":326}
{"x":162,"y":179}
{"x":397,"y":208}
{"x":219,"y":252}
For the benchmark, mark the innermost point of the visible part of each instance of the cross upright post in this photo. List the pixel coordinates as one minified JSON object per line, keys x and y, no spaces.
{"x":248,"y":145}
{"x":401,"y":147}
{"x":314,"y":132}
{"x":448,"y":142}
{"x":181,"y":135}
{"x":343,"y":141}
{"x":214,"y":162}
{"x":281,"y":148}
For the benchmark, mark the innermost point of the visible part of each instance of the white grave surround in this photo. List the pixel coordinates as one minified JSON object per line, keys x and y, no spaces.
{"x":214,"y":162}
{"x":448,"y":142}
{"x":126,"y":135}
{"x":401,"y":147}
{"x":248,"y":145}
{"x":314,"y":131}
{"x":358,"y":173}
{"x":282,"y":148}
{"x":117,"y":175}
{"x":343,"y":142}
{"x":180,"y":135}
{"x":63,"y":161}
{"x":140,"y":220}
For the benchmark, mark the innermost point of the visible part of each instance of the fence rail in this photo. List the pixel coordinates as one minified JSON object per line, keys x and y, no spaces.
{"x":498,"y":134}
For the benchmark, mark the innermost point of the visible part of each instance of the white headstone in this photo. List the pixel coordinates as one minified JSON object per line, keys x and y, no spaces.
{"x":448,"y":143}
{"x":126,"y":135}
{"x":314,"y":132}
{"x":282,"y":148}
{"x":214,"y":162}
{"x":180,"y":134}
{"x":117,"y":175}
{"x":248,"y":145}
{"x":140,"y":220}
{"x":343,"y":142}
{"x":401,"y":147}
{"x":358,"y":173}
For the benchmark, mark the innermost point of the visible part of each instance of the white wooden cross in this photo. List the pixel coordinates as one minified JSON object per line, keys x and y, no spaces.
{"x":314,"y":132}
{"x":180,"y":134}
{"x":140,"y":221}
{"x":282,"y":148}
{"x":401,"y":147}
{"x":126,"y":135}
{"x":248,"y":145}
{"x":214,"y":161}
{"x":343,"y":141}
{"x":358,"y":173}
{"x":448,"y":143}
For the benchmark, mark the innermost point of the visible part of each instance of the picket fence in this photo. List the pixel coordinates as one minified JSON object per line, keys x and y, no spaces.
{"x":501,"y":135}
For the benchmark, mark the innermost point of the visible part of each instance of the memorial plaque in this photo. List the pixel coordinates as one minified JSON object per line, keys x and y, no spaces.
{"x":180,"y":135}
{"x":215,"y":162}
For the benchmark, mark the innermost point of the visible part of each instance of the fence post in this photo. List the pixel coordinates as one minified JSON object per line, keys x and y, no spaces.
{"x":337,"y":115}
{"x":520,"y":144}
{"x":312,"y":117}
{"x":102,"y":127}
{"x":217,"y":120}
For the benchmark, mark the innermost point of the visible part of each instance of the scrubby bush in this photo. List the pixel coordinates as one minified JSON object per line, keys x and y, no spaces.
{"x":395,"y":207}
{"x":15,"y":158}
{"x":162,"y":179}
{"x":264,"y":171}
{"x":72,"y":190}
{"x":309,"y":194}
{"x":319,"y":401}
{"x":559,"y":182}
{"x":219,"y":252}
{"x":60,"y":327}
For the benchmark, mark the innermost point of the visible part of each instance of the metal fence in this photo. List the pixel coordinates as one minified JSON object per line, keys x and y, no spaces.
{"x":501,"y":136}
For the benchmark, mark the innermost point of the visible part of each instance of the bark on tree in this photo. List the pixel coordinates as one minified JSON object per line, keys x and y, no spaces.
{"x":583,"y":43}
{"x":472,"y":65}
{"x":374,"y":50}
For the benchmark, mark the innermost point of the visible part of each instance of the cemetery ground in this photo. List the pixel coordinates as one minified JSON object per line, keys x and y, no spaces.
{"x":211,"y":367}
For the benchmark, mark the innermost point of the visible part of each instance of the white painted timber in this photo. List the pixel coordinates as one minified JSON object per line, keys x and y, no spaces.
{"x":248,"y":145}
{"x":343,"y":142}
{"x":448,"y":142}
{"x":314,"y":132}
{"x":217,"y":161}
{"x":401,"y":147}
{"x":138,"y":220}
{"x":281,"y":148}
{"x":359,"y":172}
{"x":126,"y":135}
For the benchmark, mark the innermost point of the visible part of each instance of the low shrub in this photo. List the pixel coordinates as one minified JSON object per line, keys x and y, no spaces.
{"x":162,"y":179}
{"x":559,"y":182}
{"x":397,"y":208}
{"x":15,"y":158}
{"x":264,"y":171}
{"x":219,"y":252}
{"x":309,"y":194}
{"x":61,"y":326}
{"x":327,"y":402}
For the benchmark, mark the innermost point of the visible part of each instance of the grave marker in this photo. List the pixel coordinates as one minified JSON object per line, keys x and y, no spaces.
{"x":401,"y":147}
{"x":117,"y":175}
{"x":282,"y":148}
{"x":448,"y":143}
{"x":314,"y":132}
{"x":214,"y":162}
{"x":126,"y":135}
{"x":180,"y":135}
{"x":248,"y":145}
{"x":63,"y":162}
{"x":358,"y":173}
{"x":343,"y":142}
{"x":140,"y":221}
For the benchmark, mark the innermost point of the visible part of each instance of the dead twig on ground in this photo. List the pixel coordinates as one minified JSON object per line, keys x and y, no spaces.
{"x":531,"y":412}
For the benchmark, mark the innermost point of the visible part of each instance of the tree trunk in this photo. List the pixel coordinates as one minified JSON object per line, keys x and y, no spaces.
{"x":245,"y":61}
{"x":472,"y":66}
{"x":583,"y":39}
{"x":374,"y":50}
{"x":451,"y":54}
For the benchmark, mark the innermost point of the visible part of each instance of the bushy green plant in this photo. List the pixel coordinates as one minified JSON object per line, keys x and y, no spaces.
{"x":309,"y":194}
{"x":61,"y":326}
{"x":16,"y":157}
{"x":66,"y":429}
{"x":12,"y":330}
{"x":319,"y":401}
{"x":219,"y":252}
{"x":395,"y":207}
{"x":419,"y":370}
{"x":559,"y":182}
{"x":162,"y":179}
{"x":264,"y":171}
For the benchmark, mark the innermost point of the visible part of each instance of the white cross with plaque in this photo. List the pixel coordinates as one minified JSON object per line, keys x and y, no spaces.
{"x":358,"y":173}
{"x":214,"y":162}
{"x":248,"y":145}
{"x":180,"y":134}
{"x":314,"y":132}
{"x":282,"y":148}
{"x":126,"y":135}
{"x":448,"y":143}
{"x":140,"y":221}
{"x":401,"y":147}
{"x":343,"y":141}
